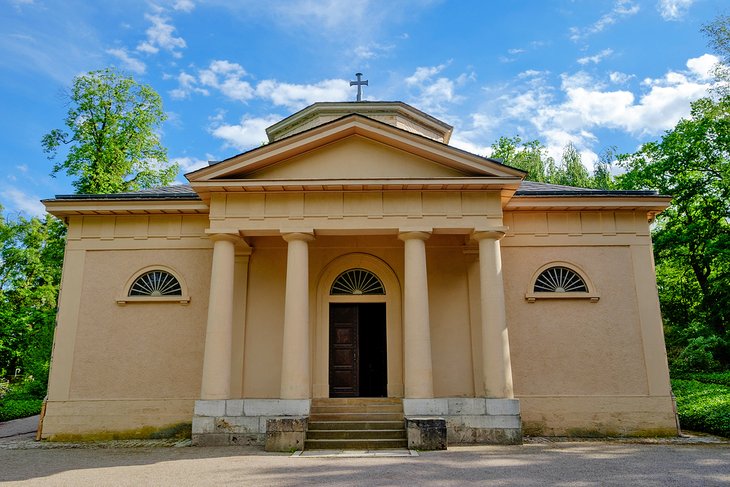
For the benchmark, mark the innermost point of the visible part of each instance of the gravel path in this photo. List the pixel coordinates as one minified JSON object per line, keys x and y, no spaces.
{"x":695,"y":461}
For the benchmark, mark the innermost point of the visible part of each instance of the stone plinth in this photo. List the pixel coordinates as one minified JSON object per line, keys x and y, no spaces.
{"x":471,"y":420}
{"x":426,"y":433}
{"x":247,"y":422}
{"x":285,"y":434}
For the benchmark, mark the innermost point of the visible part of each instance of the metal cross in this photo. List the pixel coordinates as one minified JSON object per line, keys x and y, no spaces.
{"x":359,"y":83}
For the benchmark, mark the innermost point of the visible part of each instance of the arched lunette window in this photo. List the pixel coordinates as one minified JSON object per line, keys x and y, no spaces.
{"x":357,"y":282}
{"x":560,"y":280}
{"x":154,"y":284}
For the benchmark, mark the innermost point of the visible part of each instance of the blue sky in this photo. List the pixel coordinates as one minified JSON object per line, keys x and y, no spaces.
{"x":597,"y":73}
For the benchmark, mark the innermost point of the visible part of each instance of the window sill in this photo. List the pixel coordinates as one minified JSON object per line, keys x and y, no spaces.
{"x":152,"y":299}
{"x":532,"y":297}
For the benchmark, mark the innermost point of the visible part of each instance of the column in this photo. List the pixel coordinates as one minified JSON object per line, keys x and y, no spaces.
{"x":497,"y":367}
{"x":295,"y":367}
{"x":418,"y":372}
{"x":240,"y":288}
{"x":217,"y":359}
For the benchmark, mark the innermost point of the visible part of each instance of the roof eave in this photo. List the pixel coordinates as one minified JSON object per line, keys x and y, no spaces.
{"x":651,"y":203}
{"x":62,"y":208}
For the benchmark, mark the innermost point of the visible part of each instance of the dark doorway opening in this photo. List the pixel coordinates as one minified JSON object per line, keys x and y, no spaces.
{"x":358,"y":357}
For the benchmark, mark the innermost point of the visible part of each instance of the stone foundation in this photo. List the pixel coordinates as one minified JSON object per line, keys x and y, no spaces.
{"x":471,"y":420}
{"x":277,"y":424}
{"x":426,"y":433}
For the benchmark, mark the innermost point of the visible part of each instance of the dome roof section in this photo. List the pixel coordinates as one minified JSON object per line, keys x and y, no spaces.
{"x":395,"y":113}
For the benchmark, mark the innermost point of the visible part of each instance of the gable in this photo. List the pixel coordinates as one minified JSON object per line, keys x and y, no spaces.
{"x":355,"y":157}
{"x":414,"y":153}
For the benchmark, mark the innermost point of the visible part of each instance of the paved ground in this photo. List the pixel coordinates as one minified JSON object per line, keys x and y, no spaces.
{"x":538,"y":463}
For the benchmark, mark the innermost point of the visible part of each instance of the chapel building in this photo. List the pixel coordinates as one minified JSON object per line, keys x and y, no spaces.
{"x":357,"y":264}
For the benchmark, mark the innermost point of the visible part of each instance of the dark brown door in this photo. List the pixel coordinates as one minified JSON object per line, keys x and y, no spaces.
{"x":344,"y":350}
{"x":358,"y":350}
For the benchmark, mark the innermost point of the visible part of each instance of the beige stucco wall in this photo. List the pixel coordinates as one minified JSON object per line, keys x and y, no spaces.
{"x":123,"y":367}
{"x":583,"y":367}
{"x":355,"y":157}
{"x":447,"y":295}
{"x":579,"y":366}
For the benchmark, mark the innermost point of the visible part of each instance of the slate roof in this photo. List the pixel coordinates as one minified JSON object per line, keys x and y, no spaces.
{"x":532,"y":188}
{"x":185,"y":192}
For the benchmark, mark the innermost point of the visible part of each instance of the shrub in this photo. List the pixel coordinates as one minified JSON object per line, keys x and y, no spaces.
{"x":19,"y":408}
{"x":703,"y":407}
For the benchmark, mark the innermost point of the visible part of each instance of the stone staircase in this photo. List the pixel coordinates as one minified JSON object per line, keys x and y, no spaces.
{"x":356,"y":424}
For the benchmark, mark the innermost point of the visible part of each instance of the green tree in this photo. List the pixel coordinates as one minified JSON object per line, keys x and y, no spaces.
{"x":111,"y":135}
{"x":602,"y":177}
{"x":529,"y":156}
{"x":31,"y":254}
{"x":718,"y":33}
{"x":532,"y":157}
{"x":692,"y":237}
{"x":571,"y":171}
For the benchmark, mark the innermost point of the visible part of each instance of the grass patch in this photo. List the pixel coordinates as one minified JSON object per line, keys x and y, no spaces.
{"x":703,"y":406}
{"x":722,"y":378}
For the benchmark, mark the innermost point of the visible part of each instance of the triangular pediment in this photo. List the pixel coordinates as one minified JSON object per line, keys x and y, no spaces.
{"x":331,"y":151}
{"x":356,"y":157}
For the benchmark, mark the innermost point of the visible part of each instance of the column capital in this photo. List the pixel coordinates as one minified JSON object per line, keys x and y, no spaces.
{"x":228,"y":237}
{"x":304,"y":236}
{"x":495,"y":233}
{"x":414,"y":235}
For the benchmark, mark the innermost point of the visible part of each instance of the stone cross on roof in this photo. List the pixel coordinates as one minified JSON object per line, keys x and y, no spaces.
{"x":359,"y":83}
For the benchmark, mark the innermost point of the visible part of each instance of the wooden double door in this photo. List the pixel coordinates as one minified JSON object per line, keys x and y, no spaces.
{"x":358,"y":350}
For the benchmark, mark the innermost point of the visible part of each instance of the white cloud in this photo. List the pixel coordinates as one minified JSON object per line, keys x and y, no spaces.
{"x":250,"y":133}
{"x":621,"y":9}
{"x":372,"y":50}
{"x":673,"y":9}
{"x":703,"y":66}
{"x":424,"y":73}
{"x":581,"y":107}
{"x":17,"y":201}
{"x":128,"y":62}
{"x":296,"y":96}
{"x":160,"y":35}
{"x":187,"y":84}
{"x":464,"y":143}
{"x":190,"y":164}
{"x":515,"y":51}
{"x":227,"y":77}
{"x":184,"y":5}
{"x":620,"y":78}
{"x":596,"y":58}
{"x":432,"y":94}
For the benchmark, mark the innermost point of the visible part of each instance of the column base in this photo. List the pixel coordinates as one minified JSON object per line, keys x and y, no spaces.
{"x":470,"y":420}
{"x":276,"y":424}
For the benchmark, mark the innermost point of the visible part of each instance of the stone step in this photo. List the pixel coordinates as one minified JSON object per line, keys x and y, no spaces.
{"x":355,"y":425}
{"x":356,"y":401}
{"x":354,"y":444}
{"x":340,"y":434}
{"x":356,"y":417}
{"x":357,"y":408}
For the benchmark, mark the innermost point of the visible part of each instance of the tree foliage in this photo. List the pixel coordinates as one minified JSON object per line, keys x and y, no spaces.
{"x":718,"y":34}
{"x":111,"y":135}
{"x":31,"y":254}
{"x":692,"y":237}
{"x":532,"y":157}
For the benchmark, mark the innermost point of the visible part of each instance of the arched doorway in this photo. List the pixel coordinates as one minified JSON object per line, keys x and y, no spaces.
{"x":358,"y":344}
{"x":357,"y":341}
